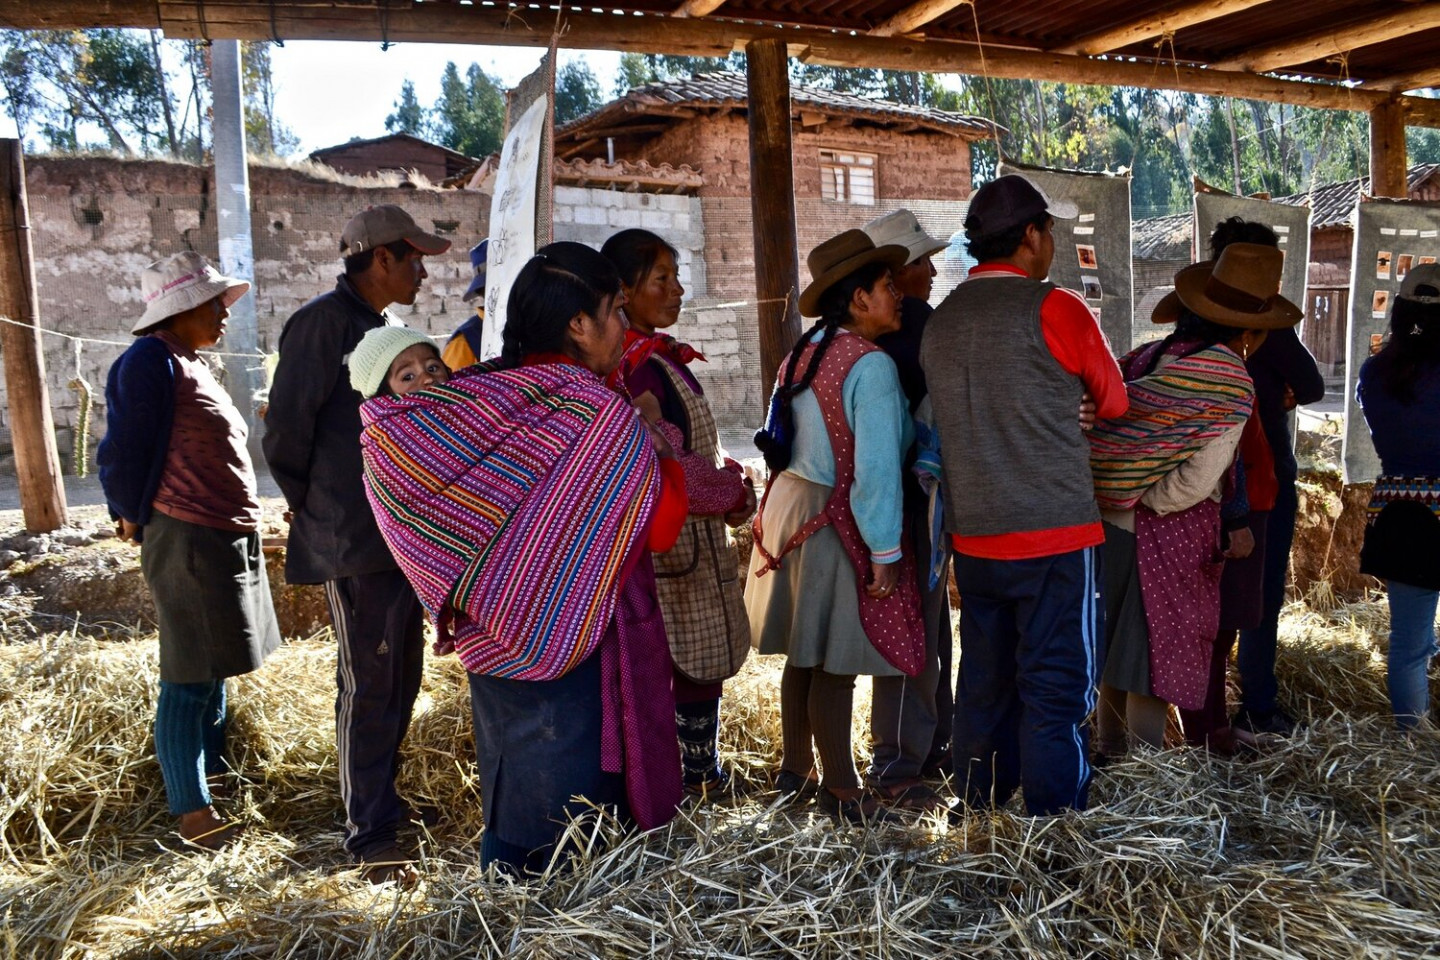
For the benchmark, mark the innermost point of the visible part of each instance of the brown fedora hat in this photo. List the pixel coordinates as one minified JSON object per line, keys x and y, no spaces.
{"x":1239,"y":289}
{"x":840,"y":256}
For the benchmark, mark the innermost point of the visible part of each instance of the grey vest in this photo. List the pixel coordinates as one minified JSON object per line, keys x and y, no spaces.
{"x":1007,"y":413}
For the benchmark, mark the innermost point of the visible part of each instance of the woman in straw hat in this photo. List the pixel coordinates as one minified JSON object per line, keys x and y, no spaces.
{"x":178,"y":479}
{"x":829,"y":585}
{"x":1399,"y":391}
{"x":1160,"y":471}
{"x":523,"y":499}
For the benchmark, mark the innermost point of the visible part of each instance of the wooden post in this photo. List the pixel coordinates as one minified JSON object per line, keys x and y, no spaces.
{"x":37,"y":460}
{"x":772,"y":205}
{"x":1388,"y":166}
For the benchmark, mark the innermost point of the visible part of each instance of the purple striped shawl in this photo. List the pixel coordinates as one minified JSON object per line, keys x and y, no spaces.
{"x":511,"y":500}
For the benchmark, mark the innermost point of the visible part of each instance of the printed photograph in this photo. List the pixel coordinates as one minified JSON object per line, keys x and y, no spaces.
{"x":1092,"y":288}
{"x":1380,"y":304}
{"x":1424,"y":260}
{"x":1402,"y":265}
{"x":1086,"y":255}
{"x":1382,"y":265}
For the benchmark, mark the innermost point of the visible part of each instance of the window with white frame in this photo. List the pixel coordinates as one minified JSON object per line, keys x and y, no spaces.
{"x":847,"y":177}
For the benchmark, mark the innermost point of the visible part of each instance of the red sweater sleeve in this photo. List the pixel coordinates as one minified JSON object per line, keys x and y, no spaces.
{"x":671,"y":509}
{"x":1080,"y":348}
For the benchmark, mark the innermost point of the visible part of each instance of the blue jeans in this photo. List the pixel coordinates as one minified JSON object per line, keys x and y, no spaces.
{"x":1412,"y":644}
{"x":190,"y":741}
{"x":1029,"y":663}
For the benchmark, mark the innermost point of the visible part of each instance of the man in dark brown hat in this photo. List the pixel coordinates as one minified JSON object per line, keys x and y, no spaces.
{"x":1008,"y":359}
{"x":312,"y":443}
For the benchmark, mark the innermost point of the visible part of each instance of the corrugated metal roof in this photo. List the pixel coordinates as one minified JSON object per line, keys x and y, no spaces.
{"x":1332,"y":203}
{"x":723,"y":89}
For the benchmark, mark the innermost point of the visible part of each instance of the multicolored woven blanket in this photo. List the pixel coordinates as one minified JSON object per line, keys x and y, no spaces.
{"x":1174,"y":412}
{"x":511,"y":500}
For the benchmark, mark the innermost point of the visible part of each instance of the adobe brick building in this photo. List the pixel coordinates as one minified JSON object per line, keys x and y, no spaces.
{"x":395,"y":153}
{"x":855,"y":159}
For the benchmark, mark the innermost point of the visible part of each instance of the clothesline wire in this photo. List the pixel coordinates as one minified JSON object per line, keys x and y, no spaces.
{"x":120,"y":343}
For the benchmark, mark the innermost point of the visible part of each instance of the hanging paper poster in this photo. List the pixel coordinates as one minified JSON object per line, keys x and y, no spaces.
{"x":1395,"y":233}
{"x":1290,"y":223}
{"x":1092,"y":252}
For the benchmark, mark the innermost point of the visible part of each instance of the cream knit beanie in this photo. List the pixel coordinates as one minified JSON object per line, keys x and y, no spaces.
{"x":370,"y":360}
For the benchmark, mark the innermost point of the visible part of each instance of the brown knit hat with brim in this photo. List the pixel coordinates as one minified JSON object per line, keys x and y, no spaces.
{"x":1241,"y":288}
{"x":840,"y":256}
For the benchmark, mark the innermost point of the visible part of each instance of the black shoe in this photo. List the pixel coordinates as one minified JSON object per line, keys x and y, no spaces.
{"x":717,"y":786}
{"x":795,"y":788}
{"x":1275,"y":722}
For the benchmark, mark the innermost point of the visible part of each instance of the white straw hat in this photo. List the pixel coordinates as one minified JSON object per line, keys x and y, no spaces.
{"x":181,"y":282}
{"x":901,"y":227}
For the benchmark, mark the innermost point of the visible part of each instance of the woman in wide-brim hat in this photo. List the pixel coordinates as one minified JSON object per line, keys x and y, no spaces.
{"x":838,"y":428}
{"x":179,"y":481}
{"x":1159,"y":474}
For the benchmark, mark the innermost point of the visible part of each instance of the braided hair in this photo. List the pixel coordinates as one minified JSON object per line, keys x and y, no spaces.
{"x":562,"y":280}
{"x":776,"y":440}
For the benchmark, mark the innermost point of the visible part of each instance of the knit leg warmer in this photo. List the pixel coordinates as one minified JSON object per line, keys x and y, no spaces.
{"x":181,"y":715}
{"x":797,"y":755}
{"x":699,"y":727}
{"x":214,"y":732}
{"x":831,"y":697}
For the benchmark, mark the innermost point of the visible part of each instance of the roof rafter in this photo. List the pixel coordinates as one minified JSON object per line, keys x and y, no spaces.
{"x":1329,"y":43}
{"x":1414,"y":80}
{"x":915,"y":16}
{"x":1157,"y":24}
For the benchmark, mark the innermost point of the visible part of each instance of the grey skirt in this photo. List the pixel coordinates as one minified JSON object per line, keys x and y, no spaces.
{"x":808,"y":609}
{"x":1127,"y":634}
{"x":212,"y":599}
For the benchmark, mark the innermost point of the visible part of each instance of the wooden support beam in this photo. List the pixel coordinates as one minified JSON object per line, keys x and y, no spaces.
{"x":1322,"y":44}
{"x":772,"y":206}
{"x":1388,"y":165}
{"x":1156,"y":23}
{"x":37,"y":458}
{"x":477,"y":24}
{"x":1410,"y":80}
{"x":697,"y":8}
{"x":915,"y":16}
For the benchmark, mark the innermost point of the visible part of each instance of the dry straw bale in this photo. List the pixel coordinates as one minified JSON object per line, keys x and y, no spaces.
{"x":1325,"y":847}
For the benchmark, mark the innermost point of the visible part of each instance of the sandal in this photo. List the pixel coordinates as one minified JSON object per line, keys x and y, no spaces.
{"x":206,"y":829}
{"x":795,"y":788}
{"x":915,"y":796}
{"x":861,"y":809}
{"x":389,"y":865}
{"x":720,"y":785}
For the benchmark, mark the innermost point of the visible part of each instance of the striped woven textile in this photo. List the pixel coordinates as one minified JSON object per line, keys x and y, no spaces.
{"x":1173,"y":413}
{"x":511,"y":500}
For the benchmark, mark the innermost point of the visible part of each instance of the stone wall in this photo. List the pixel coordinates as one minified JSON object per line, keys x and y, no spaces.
{"x":97,"y":222}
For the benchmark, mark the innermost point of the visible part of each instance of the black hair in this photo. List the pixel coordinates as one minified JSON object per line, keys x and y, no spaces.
{"x":1191,"y":326}
{"x":561,"y":280}
{"x":998,"y":246}
{"x":1239,"y":230}
{"x":358,"y":263}
{"x":634,"y":253}
{"x":1413,"y":347}
{"x":776,"y":439}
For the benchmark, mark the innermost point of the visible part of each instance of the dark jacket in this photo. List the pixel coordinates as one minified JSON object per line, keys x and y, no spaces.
{"x":312,"y":441}
{"x":139,"y":412}
{"x":1282,"y":361}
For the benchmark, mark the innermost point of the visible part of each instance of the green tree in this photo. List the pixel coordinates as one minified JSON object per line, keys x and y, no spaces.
{"x":638,"y":69}
{"x":577,"y":92}
{"x":470,"y":116}
{"x":409,"y":116}
{"x":263,"y":130}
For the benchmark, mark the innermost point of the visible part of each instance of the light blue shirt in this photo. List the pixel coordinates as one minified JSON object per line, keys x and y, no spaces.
{"x":879,"y":416}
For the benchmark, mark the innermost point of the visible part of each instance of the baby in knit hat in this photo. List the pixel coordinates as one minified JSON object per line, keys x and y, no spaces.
{"x":395,"y":360}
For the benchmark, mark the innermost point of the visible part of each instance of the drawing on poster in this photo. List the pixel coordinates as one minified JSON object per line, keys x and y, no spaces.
{"x":1379,"y":304}
{"x":1377,"y":343}
{"x":1402,"y":265}
{"x":1382,"y":265}
{"x":1086,"y":255}
{"x":1424,"y":260}
{"x":1091,"y":285}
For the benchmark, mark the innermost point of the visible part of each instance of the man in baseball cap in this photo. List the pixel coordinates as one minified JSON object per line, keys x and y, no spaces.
{"x":1007,"y":357}
{"x":312,"y":443}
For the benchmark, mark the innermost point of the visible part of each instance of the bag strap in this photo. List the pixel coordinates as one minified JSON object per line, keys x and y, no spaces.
{"x":840,"y":358}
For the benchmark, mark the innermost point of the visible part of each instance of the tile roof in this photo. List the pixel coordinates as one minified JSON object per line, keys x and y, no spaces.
{"x":1163,"y":238}
{"x":1331,"y":204}
{"x":726,"y":89}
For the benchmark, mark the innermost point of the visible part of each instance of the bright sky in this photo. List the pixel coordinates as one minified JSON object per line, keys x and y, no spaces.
{"x":330,"y":91}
